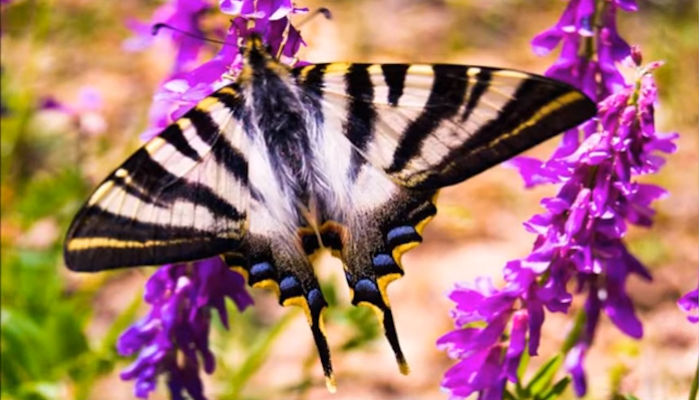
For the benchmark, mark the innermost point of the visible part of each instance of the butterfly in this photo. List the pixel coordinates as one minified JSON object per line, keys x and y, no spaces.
{"x":285,"y":161}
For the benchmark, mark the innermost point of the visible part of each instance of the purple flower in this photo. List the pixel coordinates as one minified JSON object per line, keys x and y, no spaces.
{"x":182,"y":91}
{"x":485,"y":364}
{"x":574,"y":365}
{"x":84,"y":113}
{"x":270,"y":10}
{"x":174,"y":336}
{"x":580,"y":233}
{"x":184,"y":15}
{"x":189,"y":83}
{"x":576,"y":64}
{"x":689,"y":304}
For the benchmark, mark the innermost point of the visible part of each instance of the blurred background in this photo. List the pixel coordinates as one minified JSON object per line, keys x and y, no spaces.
{"x":59,"y":328}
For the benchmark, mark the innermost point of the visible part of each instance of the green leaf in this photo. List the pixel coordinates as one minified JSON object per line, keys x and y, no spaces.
{"x":22,"y":359}
{"x":522,"y":368}
{"x":365,"y":327}
{"x":507,"y":395}
{"x":542,"y":378}
{"x":556,"y":390}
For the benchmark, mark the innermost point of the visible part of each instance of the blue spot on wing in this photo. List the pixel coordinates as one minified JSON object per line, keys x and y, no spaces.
{"x":289,"y":283}
{"x":400,"y":232}
{"x":262,"y":270}
{"x":383,"y":260}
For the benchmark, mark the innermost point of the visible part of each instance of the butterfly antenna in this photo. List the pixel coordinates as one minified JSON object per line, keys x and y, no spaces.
{"x":162,"y":25}
{"x":322,"y":10}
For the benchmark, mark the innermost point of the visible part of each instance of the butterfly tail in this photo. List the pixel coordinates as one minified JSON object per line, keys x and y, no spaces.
{"x":294,"y":285}
{"x":367,"y":293}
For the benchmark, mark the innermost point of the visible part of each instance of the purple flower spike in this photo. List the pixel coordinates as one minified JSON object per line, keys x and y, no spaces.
{"x":579,"y":247}
{"x":689,"y":304}
{"x":574,"y":29}
{"x":174,"y":336}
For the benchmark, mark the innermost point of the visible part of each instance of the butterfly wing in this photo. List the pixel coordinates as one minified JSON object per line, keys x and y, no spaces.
{"x":395,"y":133}
{"x":182,"y":196}
{"x":430,"y":126}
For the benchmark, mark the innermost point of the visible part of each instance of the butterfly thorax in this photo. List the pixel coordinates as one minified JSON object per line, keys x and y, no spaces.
{"x":280,"y":132}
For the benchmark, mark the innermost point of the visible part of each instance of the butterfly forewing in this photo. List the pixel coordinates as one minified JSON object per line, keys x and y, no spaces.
{"x":431,"y":126}
{"x":182,"y":196}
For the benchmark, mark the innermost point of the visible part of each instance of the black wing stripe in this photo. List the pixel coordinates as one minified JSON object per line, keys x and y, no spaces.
{"x":174,"y":136}
{"x":146,"y":173}
{"x":224,"y":153}
{"x":204,"y":125}
{"x":530,"y":96}
{"x":312,"y":84}
{"x":313,"y":79}
{"x":483,"y":80}
{"x":149,"y":174}
{"x":446,"y":96}
{"x":106,"y":224}
{"x":359,"y":125}
{"x":134,"y":191}
{"x":232,"y":159}
{"x":395,"y":77}
{"x":203,"y":195}
{"x":489,"y":148}
{"x":230,"y":97}
{"x":101,"y":257}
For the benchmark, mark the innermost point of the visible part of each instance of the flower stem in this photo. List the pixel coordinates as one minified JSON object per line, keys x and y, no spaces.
{"x":694,"y":386}
{"x":573,"y":336}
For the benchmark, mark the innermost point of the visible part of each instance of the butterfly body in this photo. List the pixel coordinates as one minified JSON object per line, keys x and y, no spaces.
{"x":284,"y":161}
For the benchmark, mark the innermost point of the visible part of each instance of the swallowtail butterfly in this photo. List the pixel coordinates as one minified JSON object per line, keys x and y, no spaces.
{"x":284,"y":161}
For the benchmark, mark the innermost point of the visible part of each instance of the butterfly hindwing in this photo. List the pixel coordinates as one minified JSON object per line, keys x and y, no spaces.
{"x":182,"y":196}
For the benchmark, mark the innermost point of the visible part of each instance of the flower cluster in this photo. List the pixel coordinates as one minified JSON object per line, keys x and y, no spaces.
{"x":189,"y":82}
{"x":175,"y":334}
{"x":579,"y":235}
{"x":173,"y":337}
{"x":583,"y":23}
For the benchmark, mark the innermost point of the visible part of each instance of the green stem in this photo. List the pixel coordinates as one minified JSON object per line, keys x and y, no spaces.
{"x":694,"y":386}
{"x":573,"y":335}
